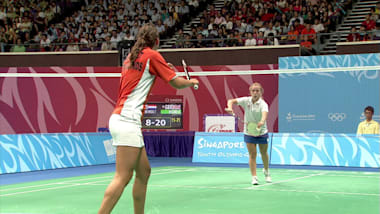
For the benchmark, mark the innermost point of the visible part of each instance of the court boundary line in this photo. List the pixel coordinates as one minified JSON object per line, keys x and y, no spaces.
{"x":81,"y":179}
{"x":68,"y":184}
{"x":280,"y":190}
{"x":289,"y":180}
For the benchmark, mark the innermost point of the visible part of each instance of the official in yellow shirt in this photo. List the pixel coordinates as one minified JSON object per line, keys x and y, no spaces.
{"x":368,"y":126}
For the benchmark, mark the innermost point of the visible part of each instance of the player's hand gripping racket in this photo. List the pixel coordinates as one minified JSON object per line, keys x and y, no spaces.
{"x":187,"y":73}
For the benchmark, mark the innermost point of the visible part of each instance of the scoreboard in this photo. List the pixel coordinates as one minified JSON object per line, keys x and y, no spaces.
{"x":163,"y":112}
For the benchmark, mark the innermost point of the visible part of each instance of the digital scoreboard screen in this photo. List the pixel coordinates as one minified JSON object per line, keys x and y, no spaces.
{"x":163,"y":112}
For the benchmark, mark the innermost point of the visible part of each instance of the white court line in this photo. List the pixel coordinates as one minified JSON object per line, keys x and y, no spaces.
{"x":94,"y":182}
{"x":288,"y":180}
{"x":78,"y":184}
{"x":229,"y":169}
{"x":256,"y":187}
{"x":251,"y":189}
{"x":295,"y":173}
{"x":50,"y":184}
{"x":81,"y":179}
{"x":38,"y":190}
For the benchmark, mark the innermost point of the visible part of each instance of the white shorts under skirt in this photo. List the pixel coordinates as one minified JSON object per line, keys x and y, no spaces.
{"x":125,"y":133}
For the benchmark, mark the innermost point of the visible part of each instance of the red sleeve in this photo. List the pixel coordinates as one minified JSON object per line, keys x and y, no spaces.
{"x":160,"y":68}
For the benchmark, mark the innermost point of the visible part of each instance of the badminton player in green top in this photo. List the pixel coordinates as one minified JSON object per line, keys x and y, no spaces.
{"x":255,"y":127}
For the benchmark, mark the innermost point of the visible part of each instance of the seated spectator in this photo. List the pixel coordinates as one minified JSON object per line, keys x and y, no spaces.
{"x":193,"y":4}
{"x":72,"y":46}
{"x":169,"y":22}
{"x":310,"y":32}
{"x":3,"y":16}
{"x":250,"y":41}
{"x":292,"y":34}
{"x":240,"y":26}
{"x":308,"y":18}
{"x":231,"y":40}
{"x":318,"y":26}
{"x":106,"y":45}
{"x":373,"y":15}
{"x":267,"y":16}
{"x":3,"y":39}
{"x":277,"y":27}
{"x":376,"y":36}
{"x":306,"y":47}
{"x":212,"y":11}
{"x":219,"y":19}
{"x":214,"y":31}
{"x":298,"y":27}
{"x":128,"y":36}
{"x":237,"y":36}
{"x":188,"y":43}
{"x":115,"y":39}
{"x":260,"y":40}
{"x":272,"y":40}
{"x":61,"y":42}
{"x":282,"y":4}
{"x":295,"y":18}
{"x":219,"y":39}
{"x":19,"y":47}
{"x":377,"y":9}
{"x":84,"y":41}
{"x":200,"y":43}
{"x":155,"y":16}
{"x":369,"y":24}
{"x":353,"y":36}
{"x":270,"y":30}
{"x":160,"y":27}
{"x":363,"y":36}
{"x":183,"y":9}
{"x":297,"y":7}
{"x":45,"y":43}
{"x":25,"y":26}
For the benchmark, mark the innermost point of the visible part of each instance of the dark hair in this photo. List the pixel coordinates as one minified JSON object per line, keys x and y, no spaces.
{"x":369,"y":108}
{"x":146,"y":37}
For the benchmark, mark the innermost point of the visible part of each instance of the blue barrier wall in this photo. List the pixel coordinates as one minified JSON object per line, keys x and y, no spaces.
{"x":30,"y":152}
{"x":221,"y":147}
{"x":327,"y":102}
{"x":292,"y":149}
{"x":326,"y":150}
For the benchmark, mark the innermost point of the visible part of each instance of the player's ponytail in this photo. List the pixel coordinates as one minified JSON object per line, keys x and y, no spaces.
{"x":146,"y":37}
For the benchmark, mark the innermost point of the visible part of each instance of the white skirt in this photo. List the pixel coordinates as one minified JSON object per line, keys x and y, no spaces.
{"x":125,"y":133}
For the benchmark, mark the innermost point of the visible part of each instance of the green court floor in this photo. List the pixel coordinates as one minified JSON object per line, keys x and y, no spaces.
{"x":206,"y":190}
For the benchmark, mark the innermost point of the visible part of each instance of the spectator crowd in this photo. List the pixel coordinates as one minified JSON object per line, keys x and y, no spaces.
{"x":73,"y":25}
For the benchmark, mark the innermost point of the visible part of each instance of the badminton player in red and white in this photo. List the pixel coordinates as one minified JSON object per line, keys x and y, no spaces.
{"x":139,"y":72}
{"x":255,"y":127}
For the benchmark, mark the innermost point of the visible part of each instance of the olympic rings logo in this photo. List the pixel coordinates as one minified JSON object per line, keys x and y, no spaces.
{"x":336,"y":116}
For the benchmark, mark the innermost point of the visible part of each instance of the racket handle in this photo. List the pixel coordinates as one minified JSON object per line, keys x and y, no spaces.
{"x":195,"y":87}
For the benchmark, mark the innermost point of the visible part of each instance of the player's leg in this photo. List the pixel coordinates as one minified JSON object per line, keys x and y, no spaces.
{"x":126,"y":158}
{"x":141,"y":181}
{"x":252,"y":161}
{"x":265,"y":157}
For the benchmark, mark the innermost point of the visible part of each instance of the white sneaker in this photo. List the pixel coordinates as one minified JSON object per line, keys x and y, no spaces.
{"x":255,"y":180}
{"x":268,"y":179}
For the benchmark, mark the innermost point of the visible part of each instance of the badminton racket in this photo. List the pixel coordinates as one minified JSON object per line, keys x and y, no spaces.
{"x":251,"y":127}
{"x":187,"y":73}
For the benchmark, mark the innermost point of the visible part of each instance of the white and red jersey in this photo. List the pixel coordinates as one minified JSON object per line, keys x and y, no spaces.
{"x":137,"y":81}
